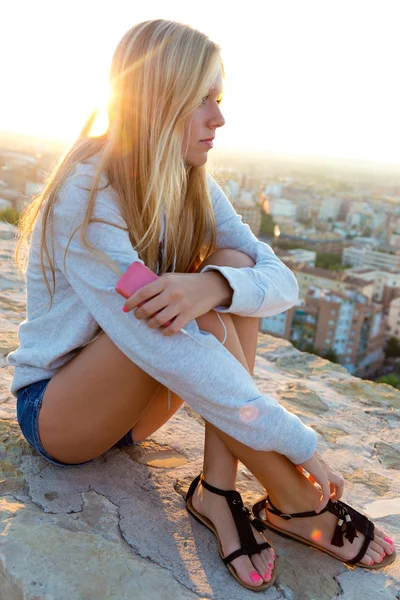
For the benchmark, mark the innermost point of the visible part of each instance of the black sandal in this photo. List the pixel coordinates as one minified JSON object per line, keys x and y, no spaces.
{"x":348,"y":518}
{"x":242,"y":517}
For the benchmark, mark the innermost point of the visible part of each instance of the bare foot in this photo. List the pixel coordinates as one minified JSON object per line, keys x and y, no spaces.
{"x":252,"y":571}
{"x":319,"y":530}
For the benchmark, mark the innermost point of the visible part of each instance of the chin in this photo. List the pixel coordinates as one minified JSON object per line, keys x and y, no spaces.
{"x":196,"y":162}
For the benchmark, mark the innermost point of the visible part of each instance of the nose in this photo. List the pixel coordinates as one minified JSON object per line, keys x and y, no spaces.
{"x":217,"y":118}
{"x":221,"y":121}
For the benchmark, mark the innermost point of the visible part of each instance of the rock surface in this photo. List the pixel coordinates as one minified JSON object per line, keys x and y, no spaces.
{"x":117,"y":528}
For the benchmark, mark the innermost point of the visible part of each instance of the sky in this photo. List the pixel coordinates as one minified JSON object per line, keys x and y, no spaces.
{"x":303,"y":77}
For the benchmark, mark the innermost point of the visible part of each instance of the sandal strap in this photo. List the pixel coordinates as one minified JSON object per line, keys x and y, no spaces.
{"x":241,"y":515}
{"x":287,"y":516}
{"x":360,"y":555}
{"x":244,"y":550}
{"x":351,"y":519}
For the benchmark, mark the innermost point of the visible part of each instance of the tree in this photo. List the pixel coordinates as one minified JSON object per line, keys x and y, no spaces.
{"x":267,"y":224}
{"x":328,"y":260}
{"x":310,"y":349}
{"x":392,"y":348}
{"x":390,"y":379}
{"x":9,"y":215}
{"x":331,"y":355}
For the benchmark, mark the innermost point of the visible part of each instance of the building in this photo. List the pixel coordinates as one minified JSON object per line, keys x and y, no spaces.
{"x":304,"y":211}
{"x":326,"y":241}
{"x":274,"y":190}
{"x":250,"y":213}
{"x":347,"y":323}
{"x":298,"y":255}
{"x":394,"y":318}
{"x":330,"y":208}
{"x":5,"y":204}
{"x":367,"y":257}
{"x":386,"y":284}
{"x":231,"y":189}
{"x":337,"y":281}
{"x":282,"y":208}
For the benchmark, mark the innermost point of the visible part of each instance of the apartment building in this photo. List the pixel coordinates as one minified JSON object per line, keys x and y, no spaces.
{"x":297,"y":256}
{"x":319,"y":241}
{"x":338,"y":281}
{"x":251,"y":214}
{"x":386,"y":284}
{"x":367,"y":257}
{"x":346,"y":322}
{"x":330,"y":208}
{"x":394,"y":318}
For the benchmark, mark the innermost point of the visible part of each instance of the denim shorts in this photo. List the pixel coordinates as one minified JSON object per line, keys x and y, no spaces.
{"x":29,"y":401}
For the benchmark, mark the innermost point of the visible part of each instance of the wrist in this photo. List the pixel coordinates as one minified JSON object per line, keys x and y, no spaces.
{"x":221,"y":290}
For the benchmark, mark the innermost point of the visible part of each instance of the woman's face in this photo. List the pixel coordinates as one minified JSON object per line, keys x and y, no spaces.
{"x":202,"y":125}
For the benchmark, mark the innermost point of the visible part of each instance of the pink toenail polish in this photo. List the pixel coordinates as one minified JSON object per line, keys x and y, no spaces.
{"x":372,"y":562}
{"x":380,"y":559}
{"x":387,"y":539}
{"x":270,"y":564}
{"x":255,"y":576}
{"x":267,"y":575}
{"x":384,"y":554}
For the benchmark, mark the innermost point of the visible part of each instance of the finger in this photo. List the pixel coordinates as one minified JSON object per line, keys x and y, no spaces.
{"x":151,"y":307}
{"x":175,"y":327}
{"x":163,"y":318}
{"x":337,"y":486}
{"x":326,"y":491}
{"x":145,"y":293}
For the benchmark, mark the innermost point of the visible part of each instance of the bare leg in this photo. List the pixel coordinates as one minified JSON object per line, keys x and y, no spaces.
{"x":288,"y":488}
{"x":77,"y":422}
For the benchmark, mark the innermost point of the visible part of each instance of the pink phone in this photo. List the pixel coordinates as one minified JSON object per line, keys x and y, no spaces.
{"x":135,"y":277}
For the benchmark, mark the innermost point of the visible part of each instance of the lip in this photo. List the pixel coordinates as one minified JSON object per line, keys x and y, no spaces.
{"x":207,"y":143}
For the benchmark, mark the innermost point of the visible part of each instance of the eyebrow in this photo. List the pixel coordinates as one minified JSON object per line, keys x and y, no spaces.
{"x":214,"y":91}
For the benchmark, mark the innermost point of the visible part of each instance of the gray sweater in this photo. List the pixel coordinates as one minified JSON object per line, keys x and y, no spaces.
{"x":208,"y":378}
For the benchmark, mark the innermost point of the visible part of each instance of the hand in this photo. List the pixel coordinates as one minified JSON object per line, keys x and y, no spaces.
{"x":178,"y":298}
{"x":330,"y":482}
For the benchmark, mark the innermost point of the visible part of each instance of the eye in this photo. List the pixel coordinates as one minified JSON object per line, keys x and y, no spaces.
{"x":206,"y":98}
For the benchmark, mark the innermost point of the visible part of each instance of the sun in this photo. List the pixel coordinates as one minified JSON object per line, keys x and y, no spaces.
{"x":101,"y":102}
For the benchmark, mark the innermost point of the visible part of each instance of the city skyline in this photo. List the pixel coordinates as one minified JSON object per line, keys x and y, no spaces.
{"x":314,"y":79}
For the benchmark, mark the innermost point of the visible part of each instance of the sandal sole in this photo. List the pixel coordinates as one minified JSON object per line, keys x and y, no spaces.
{"x":204,"y":521}
{"x":258,"y":506}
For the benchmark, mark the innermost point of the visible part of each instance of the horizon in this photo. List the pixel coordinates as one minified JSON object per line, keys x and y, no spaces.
{"x":286,"y":156}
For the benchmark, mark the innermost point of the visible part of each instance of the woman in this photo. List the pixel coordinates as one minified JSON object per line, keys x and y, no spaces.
{"x":87,"y":376}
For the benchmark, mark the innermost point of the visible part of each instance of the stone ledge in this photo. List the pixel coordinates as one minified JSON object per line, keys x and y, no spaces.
{"x":117,"y":528}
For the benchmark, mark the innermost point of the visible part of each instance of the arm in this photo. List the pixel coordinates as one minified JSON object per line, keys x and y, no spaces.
{"x":210,"y":379}
{"x":264,"y":290}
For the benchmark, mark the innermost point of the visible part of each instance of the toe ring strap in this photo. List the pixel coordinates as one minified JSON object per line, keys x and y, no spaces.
{"x":360,"y":555}
{"x":247,"y":550}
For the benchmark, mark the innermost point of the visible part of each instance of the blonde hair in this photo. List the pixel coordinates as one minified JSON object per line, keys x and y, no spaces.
{"x":159,"y":73}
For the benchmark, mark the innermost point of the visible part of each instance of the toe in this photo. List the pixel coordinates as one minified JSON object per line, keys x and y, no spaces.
{"x":377,"y":547}
{"x":367,"y":559}
{"x":260,"y":563}
{"x":246,"y":571}
{"x":375,"y":556}
{"x":383,"y":540}
{"x":270,"y":558}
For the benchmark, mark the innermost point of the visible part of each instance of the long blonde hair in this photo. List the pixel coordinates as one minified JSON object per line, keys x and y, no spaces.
{"x":159,"y":73}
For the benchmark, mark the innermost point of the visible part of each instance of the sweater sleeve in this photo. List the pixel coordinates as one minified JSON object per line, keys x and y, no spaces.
{"x":208,"y":378}
{"x":264,"y":290}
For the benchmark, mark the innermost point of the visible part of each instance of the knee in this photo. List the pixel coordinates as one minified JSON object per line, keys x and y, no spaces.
{"x":228,"y":257}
